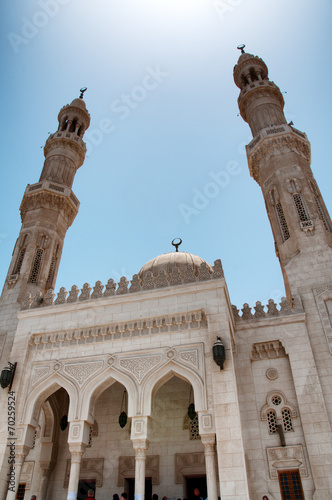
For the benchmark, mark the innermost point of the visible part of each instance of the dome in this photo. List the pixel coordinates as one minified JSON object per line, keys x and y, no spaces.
{"x":167,"y":261}
{"x":78,"y":103}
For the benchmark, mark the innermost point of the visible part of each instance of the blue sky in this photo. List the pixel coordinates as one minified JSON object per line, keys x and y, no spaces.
{"x":162,"y":148}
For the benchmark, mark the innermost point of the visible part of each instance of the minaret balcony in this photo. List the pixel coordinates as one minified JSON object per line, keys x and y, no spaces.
{"x":51,"y":195}
{"x":275,"y":139}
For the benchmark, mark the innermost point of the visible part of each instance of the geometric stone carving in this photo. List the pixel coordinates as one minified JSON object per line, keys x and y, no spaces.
{"x":189,"y":464}
{"x":26,"y":474}
{"x":139,"y":367}
{"x":38,"y":373}
{"x":286,"y":457}
{"x":267,"y":350}
{"x":81,"y":371}
{"x":127,"y":469}
{"x":204,"y":273}
{"x":190,"y":357}
{"x":85,"y":292}
{"x":91,"y":469}
{"x":97,"y":290}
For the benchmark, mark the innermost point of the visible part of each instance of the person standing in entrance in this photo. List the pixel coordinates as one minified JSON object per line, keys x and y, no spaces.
{"x":91,"y":495}
{"x":197,"y":494}
{"x":124,"y":496}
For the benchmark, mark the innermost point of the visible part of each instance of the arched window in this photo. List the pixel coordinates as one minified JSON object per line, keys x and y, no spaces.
{"x":278,"y":411}
{"x":279,"y":213}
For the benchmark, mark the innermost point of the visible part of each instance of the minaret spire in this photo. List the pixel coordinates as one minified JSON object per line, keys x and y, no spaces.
{"x":279,"y":160}
{"x":49,"y":207}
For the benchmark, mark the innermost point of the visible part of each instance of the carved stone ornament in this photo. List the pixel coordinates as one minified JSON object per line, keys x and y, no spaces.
{"x":191,"y":320}
{"x":38,"y":373}
{"x":91,"y":468}
{"x":46,"y":199}
{"x":140,"y":366}
{"x":189,"y":464}
{"x":82,"y":371}
{"x":97,"y":290}
{"x":27,"y":473}
{"x":284,"y":458}
{"x":276,"y":145}
{"x":127,"y":468}
{"x":190,"y":357}
{"x":267,"y":350}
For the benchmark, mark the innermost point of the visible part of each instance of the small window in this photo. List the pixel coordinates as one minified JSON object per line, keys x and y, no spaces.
{"x":194,"y":429}
{"x":20,"y":492}
{"x":290,"y":485}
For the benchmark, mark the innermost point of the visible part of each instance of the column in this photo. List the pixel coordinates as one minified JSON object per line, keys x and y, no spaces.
{"x":208,"y":441}
{"x":47,"y":468}
{"x":140,"y":446}
{"x":20,"y":452}
{"x":76,"y":451}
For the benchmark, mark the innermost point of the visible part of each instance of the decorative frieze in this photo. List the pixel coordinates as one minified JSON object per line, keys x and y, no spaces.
{"x":191,"y":320}
{"x":27,"y":473}
{"x":147,"y":282}
{"x":267,"y":350}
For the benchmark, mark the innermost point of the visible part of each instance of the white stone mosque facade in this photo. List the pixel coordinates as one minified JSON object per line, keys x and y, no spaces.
{"x":144,"y":352}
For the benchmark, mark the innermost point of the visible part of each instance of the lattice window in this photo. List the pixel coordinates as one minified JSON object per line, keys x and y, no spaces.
{"x":290,"y":485}
{"x":20,"y":492}
{"x":194,"y":429}
{"x":301,"y":210}
{"x":287,"y":420}
{"x":36,"y":266}
{"x":276,"y":400}
{"x":282,"y":221}
{"x":50,"y":276}
{"x":19,"y":261}
{"x":272,"y":421}
{"x":321,"y":213}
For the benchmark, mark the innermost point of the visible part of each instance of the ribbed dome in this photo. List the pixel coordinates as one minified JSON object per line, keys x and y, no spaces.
{"x":168,"y":261}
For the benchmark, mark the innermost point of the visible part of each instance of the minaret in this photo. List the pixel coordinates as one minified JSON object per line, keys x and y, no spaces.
{"x":48,"y":209}
{"x":279,"y":161}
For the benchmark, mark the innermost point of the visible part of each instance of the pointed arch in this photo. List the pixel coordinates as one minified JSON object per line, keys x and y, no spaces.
{"x":44,"y":389}
{"x":98,"y":385}
{"x":159,"y":377}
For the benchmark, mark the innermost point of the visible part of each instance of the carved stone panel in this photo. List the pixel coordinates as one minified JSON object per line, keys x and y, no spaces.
{"x":188,"y":464}
{"x":26,"y":474}
{"x":127,"y":469}
{"x":140,"y":366}
{"x":286,"y":457}
{"x":82,"y":371}
{"x":91,"y":468}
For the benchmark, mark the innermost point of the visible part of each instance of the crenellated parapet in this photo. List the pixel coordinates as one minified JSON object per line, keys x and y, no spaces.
{"x":137,"y":284}
{"x":269,"y":311}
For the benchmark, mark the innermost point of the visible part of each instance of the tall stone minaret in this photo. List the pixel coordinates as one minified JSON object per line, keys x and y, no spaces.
{"x":48,"y":209}
{"x":279,"y":160}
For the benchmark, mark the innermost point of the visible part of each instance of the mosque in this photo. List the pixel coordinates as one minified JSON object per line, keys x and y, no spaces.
{"x":157,"y":384}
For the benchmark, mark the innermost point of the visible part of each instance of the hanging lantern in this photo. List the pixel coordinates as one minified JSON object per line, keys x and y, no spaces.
{"x":219,"y":354}
{"x":7,"y":375}
{"x":191,"y":411}
{"x":123,"y":419}
{"x":64,"y":423}
{"x":123,"y":415}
